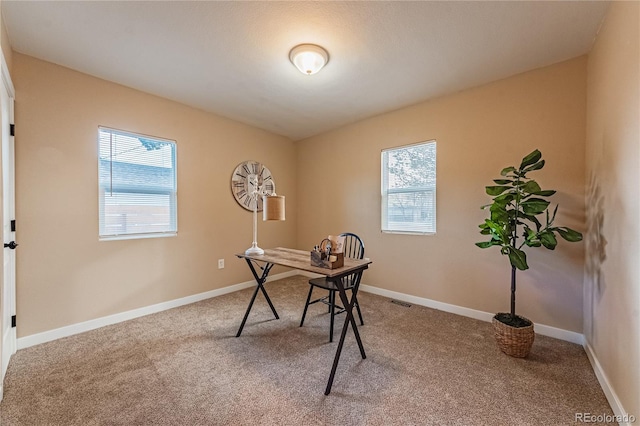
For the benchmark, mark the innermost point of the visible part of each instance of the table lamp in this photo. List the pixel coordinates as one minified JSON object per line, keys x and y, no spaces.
{"x":273,"y":209}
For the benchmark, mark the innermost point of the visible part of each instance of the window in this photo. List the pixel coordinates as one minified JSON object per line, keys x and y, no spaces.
{"x":409,"y":189}
{"x":137,"y":185}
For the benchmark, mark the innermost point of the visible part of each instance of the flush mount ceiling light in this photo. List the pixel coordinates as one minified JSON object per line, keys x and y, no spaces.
{"x":308,"y":58}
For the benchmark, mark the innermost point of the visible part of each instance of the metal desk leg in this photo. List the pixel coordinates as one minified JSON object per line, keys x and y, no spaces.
{"x":348,"y":306}
{"x":260,"y":281}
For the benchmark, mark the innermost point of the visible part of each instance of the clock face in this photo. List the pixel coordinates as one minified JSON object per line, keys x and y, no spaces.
{"x":249,"y":182}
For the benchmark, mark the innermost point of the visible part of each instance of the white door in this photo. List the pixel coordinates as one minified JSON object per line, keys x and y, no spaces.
{"x":8,"y":275}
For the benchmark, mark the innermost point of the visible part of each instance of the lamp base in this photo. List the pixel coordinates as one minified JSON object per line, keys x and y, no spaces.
{"x":254,"y":250}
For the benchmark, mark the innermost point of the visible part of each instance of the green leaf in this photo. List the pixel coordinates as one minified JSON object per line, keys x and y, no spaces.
{"x":518,"y":258}
{"x":496,"y":228}
{"x":569,"y":234}
{"x":498,"y":231}
{"x":503,"y":181}
{"x":548,"y":193}
{"x":531,"y":237}
{"x":530,"y":187}
{"x":530,"y":159}
{"x":550,"y":220}
{"x":499,"y":214}
{"x":512,"y":213}
{"x":534,"y":206}
{"x":507,"y":170}
{"x":496,"y":190}
{"x":531,"y":218}
{"x":503,"y":199}
{"x":548,"y":240}
{"x":487,"y":244}
{"x":498,"y":206}
{"x":536,"y":166}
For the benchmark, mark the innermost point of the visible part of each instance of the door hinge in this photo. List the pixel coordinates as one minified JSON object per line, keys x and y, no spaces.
{"x":13,"y":321}
{"x":12,"y":129}
{"x":13,"y":225}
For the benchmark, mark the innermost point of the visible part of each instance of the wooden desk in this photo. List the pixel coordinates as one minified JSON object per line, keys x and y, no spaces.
{"x":300,"y":259}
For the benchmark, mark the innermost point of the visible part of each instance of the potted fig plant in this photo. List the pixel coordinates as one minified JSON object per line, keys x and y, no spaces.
{"x":512,"y":226}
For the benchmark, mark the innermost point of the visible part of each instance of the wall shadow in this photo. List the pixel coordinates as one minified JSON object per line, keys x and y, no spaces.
{"x":596,"y":253}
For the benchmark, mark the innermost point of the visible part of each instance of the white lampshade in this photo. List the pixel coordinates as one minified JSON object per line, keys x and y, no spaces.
{"x":308,"y":58}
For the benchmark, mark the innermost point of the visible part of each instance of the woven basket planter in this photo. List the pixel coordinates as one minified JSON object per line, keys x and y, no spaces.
{"x":513,"y":341}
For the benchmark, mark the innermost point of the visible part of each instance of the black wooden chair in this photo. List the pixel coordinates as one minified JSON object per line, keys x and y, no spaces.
{"x":354,"y":249}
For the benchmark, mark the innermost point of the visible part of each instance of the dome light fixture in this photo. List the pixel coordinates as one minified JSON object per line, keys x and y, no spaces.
{"x":308,"y":58}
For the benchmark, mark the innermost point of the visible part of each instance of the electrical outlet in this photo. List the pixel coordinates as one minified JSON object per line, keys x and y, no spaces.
{"x":220,"y":263}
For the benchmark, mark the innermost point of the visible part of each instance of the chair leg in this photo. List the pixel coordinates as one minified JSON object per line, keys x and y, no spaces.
{"x":306,"y":305}
{"x":332,"y":306}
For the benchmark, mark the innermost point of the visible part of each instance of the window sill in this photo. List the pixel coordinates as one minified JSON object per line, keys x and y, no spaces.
{"x":136,"y":236}
{"x":389,"y":231}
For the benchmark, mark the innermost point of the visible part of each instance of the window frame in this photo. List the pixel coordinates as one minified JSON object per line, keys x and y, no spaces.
{"x":385,"y":224}
{"x":137,"y":189}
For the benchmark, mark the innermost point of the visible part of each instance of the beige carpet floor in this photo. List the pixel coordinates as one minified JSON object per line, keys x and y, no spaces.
{"x":185,"y":367}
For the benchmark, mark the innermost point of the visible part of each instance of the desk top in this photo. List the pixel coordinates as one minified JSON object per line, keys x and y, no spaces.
{"x":301,"y":259}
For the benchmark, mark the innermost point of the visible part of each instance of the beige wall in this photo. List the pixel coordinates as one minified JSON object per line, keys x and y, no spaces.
{"x":64,"y":274}
{"x":612,"y":278}
{"x":478,"y":132}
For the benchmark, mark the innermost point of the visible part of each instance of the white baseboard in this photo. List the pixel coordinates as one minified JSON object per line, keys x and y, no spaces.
{"x":47,"y":336}
{"x":545,"y":330}
{"x":612,"y":397}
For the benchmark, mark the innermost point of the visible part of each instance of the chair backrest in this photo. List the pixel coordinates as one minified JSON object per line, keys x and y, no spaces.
{"x":354,"y":249}
{"x":353,"y":246}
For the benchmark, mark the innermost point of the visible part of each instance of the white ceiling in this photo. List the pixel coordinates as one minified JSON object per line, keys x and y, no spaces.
{"x":231,"y":58}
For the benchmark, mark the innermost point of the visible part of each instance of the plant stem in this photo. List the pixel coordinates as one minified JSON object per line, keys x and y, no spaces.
{"x":514,"y":237}
{"x":513,"y":291}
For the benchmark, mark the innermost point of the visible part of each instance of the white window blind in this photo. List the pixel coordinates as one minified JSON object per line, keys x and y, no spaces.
{"x":137,"y":185}
{"x":409,"y":189}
